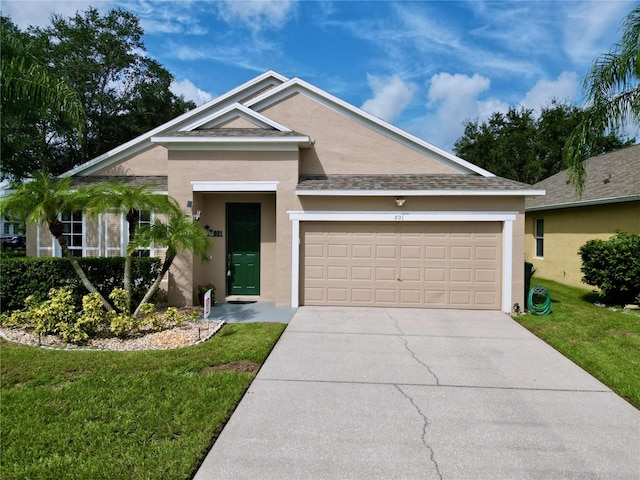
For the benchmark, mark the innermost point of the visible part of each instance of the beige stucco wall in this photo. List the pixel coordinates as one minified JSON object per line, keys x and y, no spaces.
{"x":152,"y":161}
{"x":342,"y":146}
{"x":566,"y":230}
{"x":244,"y":166}
{"x":213,"y":214}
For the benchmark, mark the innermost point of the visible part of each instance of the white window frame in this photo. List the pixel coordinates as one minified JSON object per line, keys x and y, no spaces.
{"x":71,"y":234}
{"x":539,"y":238}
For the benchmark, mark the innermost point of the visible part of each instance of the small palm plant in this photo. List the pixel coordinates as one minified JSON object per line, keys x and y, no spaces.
{"x":179,"y":233}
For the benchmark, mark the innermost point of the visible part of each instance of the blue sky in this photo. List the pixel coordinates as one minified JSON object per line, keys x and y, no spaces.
{"x":425,"y":66}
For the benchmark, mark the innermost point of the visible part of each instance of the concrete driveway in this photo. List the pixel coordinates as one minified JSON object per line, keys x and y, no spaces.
{"x":373,"y":393}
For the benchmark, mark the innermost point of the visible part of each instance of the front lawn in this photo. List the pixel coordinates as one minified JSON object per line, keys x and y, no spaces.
{"x":603,"y":341}
{"x":116,"y":415}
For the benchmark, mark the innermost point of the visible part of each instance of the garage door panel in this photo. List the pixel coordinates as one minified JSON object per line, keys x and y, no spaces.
{"x":338,"y":273}
{"x":486,"y":253}
{"x":435,"y":252}
{"x":411,"y":274}
{"x":434,"y":274}
{"x":362,"y":251}
{"x":458,"y":252}
{"x":486,"y":298}
{"x":387,"y":296}
{"x":362,"y":273}
{"x":428,"y":264}
{"x":385,"y":274}
{"x":458,"y":275}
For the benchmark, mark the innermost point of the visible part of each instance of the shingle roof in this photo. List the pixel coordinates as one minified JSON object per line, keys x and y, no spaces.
{"x":439,"y":182}
{"x":160,"y":182}
{"x":611,"y":177}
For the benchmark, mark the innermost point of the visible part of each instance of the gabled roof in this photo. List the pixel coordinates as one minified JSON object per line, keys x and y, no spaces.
{"x":143,"y":142}
{"x":411,"y":185}
{"x":612,"y":177}
{"x":296,"y":85}
{"x":247,"y":102}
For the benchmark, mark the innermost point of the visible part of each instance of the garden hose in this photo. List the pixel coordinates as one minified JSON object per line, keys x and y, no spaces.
{"x":543,"y":308}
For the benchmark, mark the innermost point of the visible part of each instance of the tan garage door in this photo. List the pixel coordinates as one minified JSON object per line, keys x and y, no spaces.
{"x":404,"y":264}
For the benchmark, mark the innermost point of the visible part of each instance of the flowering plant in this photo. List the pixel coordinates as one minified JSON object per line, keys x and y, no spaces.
{"x":206,"y":287}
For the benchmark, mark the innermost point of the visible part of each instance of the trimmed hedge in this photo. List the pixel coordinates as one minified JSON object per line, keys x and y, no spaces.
{"x":22,"y":277}
{"x":613,"y":265}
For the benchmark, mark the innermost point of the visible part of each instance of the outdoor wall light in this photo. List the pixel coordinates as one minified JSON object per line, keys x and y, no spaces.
{"x":400,"y":201}
{"x":196,"y":216}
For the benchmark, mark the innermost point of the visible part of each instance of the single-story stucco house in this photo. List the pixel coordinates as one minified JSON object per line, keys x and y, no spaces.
{"x":560,"y":222}
{"x":312,"y":201}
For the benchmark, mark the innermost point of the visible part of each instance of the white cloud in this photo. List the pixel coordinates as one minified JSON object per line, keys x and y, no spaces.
{"x":588,"y":29}
{"x":190,"y":91}
{"x":565,"y":88}
{"x":390,"y":96}
{"x":453,"y":99}
{"x":37,"y":13}
{"x":257,"y":15}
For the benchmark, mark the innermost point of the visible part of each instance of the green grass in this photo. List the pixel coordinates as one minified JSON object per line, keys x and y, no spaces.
{"x":117,"y":415}
{"x":606,"y":343}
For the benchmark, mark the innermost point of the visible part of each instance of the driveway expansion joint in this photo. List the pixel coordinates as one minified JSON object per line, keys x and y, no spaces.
{"x":425,"y":425}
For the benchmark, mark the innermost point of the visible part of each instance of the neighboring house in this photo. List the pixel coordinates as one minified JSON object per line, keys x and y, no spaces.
{"x":559,"y":223}
{"x":312,"y":201}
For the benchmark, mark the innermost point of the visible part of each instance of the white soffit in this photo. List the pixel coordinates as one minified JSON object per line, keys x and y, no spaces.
{"x":230,"y":113}
{"x":233,"y":143}
{"x":254,"y":186}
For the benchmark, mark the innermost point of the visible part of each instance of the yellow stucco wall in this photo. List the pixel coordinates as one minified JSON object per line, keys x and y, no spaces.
{"x":566,"y":230}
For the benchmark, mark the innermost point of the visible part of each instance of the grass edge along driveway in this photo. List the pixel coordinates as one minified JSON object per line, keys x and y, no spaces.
{"x":115,"y":415}
{"x":604,"y":341}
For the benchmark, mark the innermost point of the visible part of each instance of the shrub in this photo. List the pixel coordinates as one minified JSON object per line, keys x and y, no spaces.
{"x":22,"y":277}
{"x":613,"y":265}
{"x":56,"y":314}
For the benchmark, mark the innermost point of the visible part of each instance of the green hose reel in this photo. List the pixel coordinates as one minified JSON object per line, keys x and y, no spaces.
{"x":539,"y":301}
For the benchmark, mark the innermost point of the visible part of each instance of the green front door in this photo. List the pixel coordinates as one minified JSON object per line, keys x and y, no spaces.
{"x":243,"y":248}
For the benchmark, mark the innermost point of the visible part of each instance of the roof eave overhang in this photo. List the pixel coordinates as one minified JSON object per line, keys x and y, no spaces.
{"x":143,"y":141}
{"x":252,"y":143}
{"x":418,"y":193}
{"x":584,"y":203}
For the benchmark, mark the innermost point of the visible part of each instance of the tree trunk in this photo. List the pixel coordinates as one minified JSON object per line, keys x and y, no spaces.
{"x":127,"y":280}
{"x":78,"y":269}
{"x":132,"y":216}
{"x":156,"y":284}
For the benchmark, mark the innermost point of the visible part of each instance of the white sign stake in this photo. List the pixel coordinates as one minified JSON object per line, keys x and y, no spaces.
{"x":207,"y":304}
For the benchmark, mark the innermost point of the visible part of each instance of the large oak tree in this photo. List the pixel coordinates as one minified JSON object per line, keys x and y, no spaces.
{"x":124,"y":92}
{"x":524,"y":147}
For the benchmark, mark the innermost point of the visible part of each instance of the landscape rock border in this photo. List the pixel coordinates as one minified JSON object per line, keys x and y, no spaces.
{"x":191,"y":333}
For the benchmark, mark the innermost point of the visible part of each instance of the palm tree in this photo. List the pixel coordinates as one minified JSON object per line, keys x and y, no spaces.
{"x":179,"y":233}
{"x":45,"y":200}
{"x":114,"y":196}
{"x":28,"y":86}
{"x":612,"y":89}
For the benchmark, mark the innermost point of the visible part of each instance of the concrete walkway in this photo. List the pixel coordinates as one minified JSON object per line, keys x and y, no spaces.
{"x":246,"y":312}
{"x":371,"y":393}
